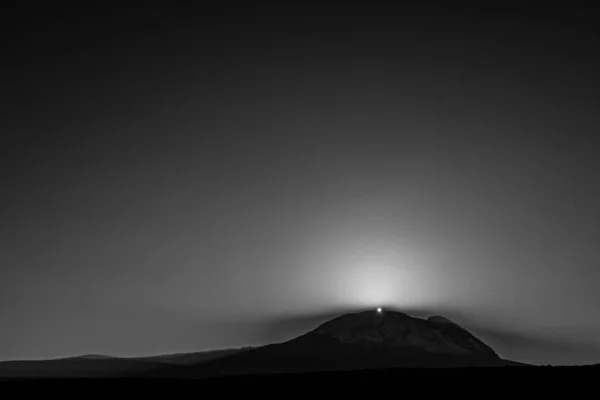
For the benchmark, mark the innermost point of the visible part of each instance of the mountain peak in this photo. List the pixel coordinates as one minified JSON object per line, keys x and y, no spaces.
{"x":398,"y":331}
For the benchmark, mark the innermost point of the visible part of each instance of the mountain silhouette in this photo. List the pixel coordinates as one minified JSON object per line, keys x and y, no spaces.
{"x":363,"y":340}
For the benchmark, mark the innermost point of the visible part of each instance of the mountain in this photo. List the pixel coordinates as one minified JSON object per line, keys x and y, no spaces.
{"x":78,"y":367}
{"x":193,"y":358}
{"x":363,"y":340}
{"x":101,"y":366}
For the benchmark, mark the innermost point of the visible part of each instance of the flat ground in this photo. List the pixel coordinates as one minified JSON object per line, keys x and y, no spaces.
{"x":476,"y":382}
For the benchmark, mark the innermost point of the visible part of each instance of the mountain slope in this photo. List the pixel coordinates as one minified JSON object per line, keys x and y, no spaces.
{"x":78,"y":367}
{"x":100,"y":366}
{"x":192,"y":358}
{"x":364,"y":340}
{"x":356,"y":341}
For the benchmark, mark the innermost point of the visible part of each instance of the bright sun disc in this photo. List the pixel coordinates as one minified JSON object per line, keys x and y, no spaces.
{"x":379,"y":309}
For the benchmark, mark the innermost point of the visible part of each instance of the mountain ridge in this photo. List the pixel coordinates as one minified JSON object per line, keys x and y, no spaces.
{"x":369,"y":339}
{"x":362,"y":340}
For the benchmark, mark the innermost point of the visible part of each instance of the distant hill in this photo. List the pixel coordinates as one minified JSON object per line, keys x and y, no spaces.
{"x":101,"y":366}
{"x":193,"y":358}
{"x":78,"y":367}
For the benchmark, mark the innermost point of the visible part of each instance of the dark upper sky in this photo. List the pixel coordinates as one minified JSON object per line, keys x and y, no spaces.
{"x":179,"y":179}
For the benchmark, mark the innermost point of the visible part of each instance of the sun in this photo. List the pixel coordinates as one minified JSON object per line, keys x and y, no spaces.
{"x":379,"y":309}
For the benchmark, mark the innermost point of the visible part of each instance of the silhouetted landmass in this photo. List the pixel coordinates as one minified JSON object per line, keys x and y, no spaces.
{"x":193,"y":358}
{"x":365,"y":340}
{"x":78,"y":367}
{"x":99,"y":366}
{"x":354,"y":351}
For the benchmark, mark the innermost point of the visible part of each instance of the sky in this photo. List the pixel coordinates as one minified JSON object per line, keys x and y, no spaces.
{"x":179,"y":179}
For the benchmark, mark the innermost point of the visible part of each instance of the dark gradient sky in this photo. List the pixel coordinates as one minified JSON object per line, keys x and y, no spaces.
{"x":181,"y":179}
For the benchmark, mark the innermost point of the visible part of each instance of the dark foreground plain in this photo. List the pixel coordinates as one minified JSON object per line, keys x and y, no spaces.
{"x":572,"y":381}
